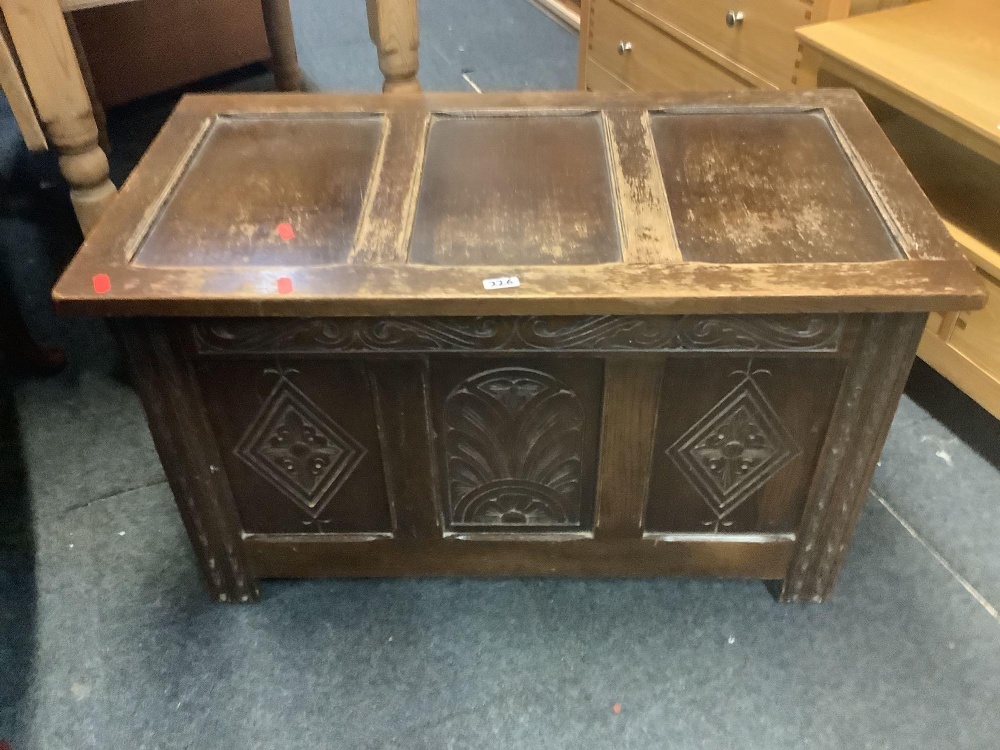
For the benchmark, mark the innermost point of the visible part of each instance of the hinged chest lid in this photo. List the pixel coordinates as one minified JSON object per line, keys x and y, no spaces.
{"x":519,"y":204}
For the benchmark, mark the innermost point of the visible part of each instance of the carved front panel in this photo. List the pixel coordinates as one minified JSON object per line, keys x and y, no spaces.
{"x":299,"y":443}
{"x":299,"y":448}
{"x":736,"y":443}
{"x":517,"y":443}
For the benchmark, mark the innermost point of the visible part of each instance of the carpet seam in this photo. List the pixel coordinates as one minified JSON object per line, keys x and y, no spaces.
{"x":941,"y":560}
{"x":112,"y":496}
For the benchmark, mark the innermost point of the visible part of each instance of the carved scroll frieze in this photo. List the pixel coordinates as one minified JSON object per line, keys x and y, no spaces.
{"x":595,"y":333}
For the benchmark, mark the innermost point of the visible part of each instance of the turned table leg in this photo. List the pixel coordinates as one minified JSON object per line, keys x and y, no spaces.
{"x":395,"y":31}
{"x":281,"y":40}
{"x":45,"y":51}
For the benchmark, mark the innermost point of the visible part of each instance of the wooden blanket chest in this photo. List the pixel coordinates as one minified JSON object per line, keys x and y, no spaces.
{"x":520,"y":334}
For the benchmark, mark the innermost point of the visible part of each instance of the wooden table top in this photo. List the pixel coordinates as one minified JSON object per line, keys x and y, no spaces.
{"x":303,"y":205}
{"x":938,"y":61}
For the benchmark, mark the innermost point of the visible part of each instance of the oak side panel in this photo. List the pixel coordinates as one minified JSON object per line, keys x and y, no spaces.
{"x":868,"y":398}
{"x":190,"y":457}
{"x":631,"y":389}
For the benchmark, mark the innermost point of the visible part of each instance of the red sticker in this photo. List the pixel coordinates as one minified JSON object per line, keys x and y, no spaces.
{"x":617,"y":708}
{"x":102,"y":283}
{"x":284,"y":285}
{"x":285,"y":231}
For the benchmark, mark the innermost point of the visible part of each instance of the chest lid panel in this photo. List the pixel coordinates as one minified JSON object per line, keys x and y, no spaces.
{"x":749,"y":202}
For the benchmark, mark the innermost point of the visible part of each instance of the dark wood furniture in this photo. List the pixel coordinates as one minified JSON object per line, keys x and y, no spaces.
{"x":719,"y":299}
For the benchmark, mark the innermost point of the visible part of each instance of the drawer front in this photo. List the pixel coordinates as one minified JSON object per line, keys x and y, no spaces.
{"x":977,"y":333}
{"x":655,"y":60}
{"x":599,"y":79}
{"x":763,"y":41}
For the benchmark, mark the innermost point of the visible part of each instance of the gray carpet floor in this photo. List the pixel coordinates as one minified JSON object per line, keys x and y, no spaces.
{"x":107,"y":640}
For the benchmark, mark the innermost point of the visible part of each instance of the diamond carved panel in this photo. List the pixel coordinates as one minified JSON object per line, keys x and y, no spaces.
{"x":299,"y":449}
{"x":733,"y":450}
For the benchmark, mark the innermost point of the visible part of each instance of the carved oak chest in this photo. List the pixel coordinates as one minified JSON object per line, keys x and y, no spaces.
{"x":520,"y":334}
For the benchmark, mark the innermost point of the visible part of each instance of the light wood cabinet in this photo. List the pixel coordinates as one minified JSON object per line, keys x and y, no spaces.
{"x":640,"y":56}
{"x":963,"y":185}
{"x":939,"y":104}
{"x":680,"y":45}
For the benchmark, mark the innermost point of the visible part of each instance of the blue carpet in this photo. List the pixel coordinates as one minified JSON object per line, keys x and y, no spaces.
{"x":108,"y":641}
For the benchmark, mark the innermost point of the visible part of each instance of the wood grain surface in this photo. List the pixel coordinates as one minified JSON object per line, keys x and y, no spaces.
{"x":376,"y":229}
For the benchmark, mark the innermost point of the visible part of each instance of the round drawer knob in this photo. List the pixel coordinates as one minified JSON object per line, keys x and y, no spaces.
{"x":734,"y":18}
{"x":624,"y":47}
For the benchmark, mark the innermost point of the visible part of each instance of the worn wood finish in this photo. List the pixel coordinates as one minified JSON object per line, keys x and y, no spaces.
{"x":868,"y":398}
{"x":715,"y":180}
{"x":693,"y":376}
{"x":541,"y":188}
{"x":324,"y":556}
{"x":148,"y":250}
{"x":190,"y":457}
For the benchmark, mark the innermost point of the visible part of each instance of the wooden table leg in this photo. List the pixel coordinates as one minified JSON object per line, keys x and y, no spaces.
{"x":45,"y":52}
{"x":394,"y":29}
{"x":281,"y":39}
{"x":100,"y":116}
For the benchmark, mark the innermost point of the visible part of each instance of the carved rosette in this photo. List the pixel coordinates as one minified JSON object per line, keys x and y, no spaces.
{"x":299,"y":449}
{"x":513,"y":444}
{"x":733,"y":450}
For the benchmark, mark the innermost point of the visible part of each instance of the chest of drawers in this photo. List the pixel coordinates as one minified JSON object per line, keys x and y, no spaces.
{"x":709,"y":45}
